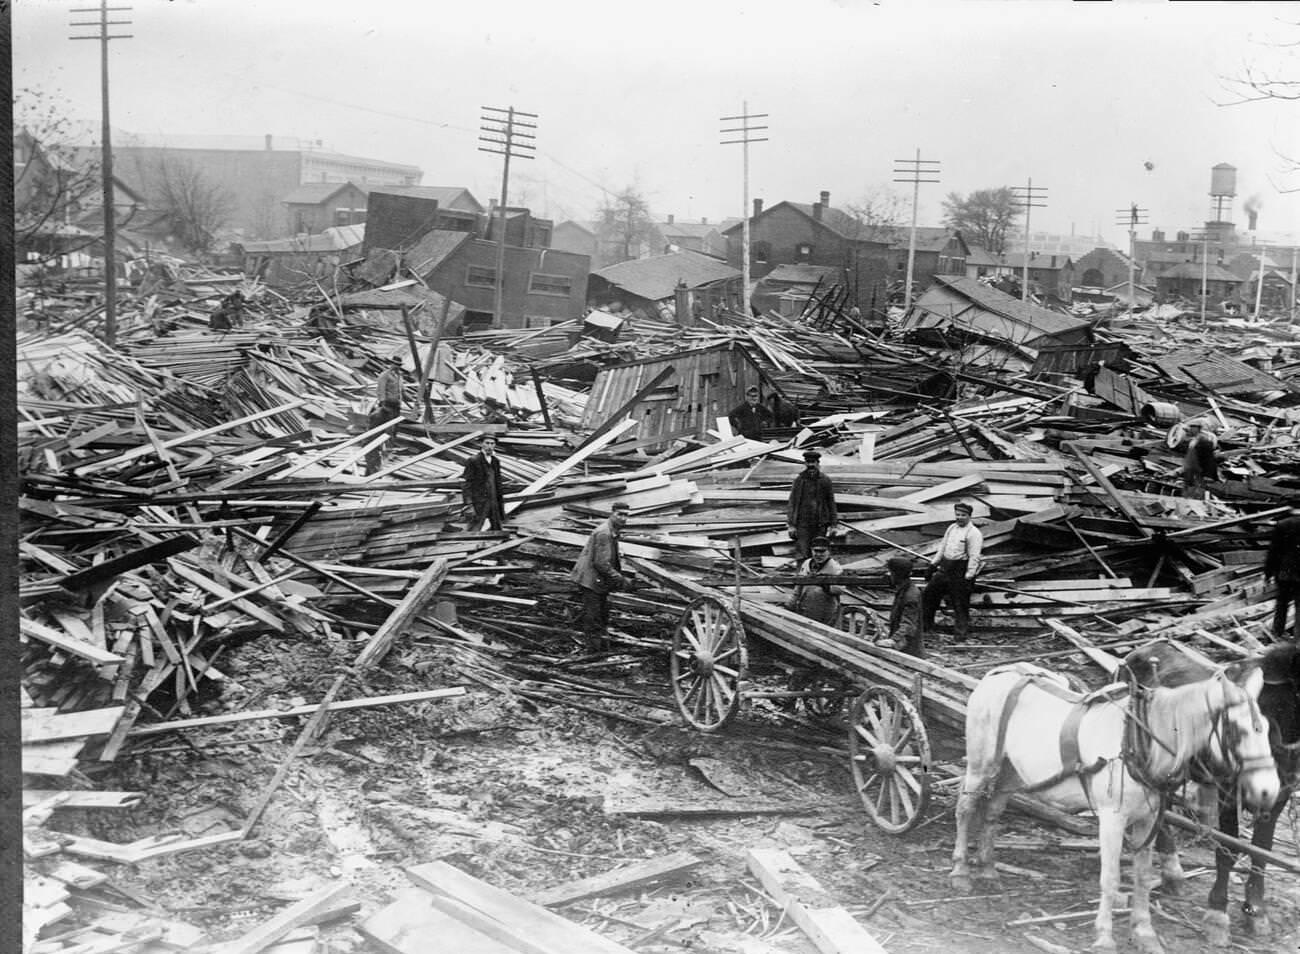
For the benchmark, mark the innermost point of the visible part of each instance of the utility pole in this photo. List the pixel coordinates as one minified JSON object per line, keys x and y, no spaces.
{"x":914,"y":171}
{"x":1030,"y":197}
{"x":110,"y":220}
{"x":1259,"y":282}
{"x":1132,"y":217}
{"x":745,"y":129}
{"x":1294,"y":252}
{"x":501,"y":134}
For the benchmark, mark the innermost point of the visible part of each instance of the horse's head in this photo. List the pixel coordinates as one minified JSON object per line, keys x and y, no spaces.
{"x":1240,"y":743}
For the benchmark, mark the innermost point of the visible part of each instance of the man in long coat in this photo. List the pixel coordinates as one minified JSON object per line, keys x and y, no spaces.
{"x":811,"y":512}
{"x":599,"y":572}
{"x":1283,"y":564}
{"x":388,"y":407}
{"x":481,"y":487}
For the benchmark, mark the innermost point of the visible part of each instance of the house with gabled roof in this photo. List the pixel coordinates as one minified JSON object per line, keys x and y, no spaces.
{"x":795,"y":233}
{"x":692,"y":237}
{"x":939,"y":251}
{"x":667,"y":284}
{"x":1185,"y":279}
{"x":316,"y":206}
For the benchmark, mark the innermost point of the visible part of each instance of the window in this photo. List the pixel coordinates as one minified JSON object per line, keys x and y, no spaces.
{"x":550,"y":284}
{"x":348,"y":216}
{"x":482,"y":276}
{"x":760,"y":252}
{"x":803,"y":252}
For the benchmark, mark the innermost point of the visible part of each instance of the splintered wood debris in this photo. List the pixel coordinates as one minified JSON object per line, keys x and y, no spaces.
{"x":187,"y":491}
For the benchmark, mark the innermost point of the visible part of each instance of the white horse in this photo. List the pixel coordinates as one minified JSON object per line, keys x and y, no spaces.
{"x":1116,"y":754}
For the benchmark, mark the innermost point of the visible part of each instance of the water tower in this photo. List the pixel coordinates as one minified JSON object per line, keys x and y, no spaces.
{"x":1223,"y":189}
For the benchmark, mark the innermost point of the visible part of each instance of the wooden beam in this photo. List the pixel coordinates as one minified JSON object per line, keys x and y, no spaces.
{"x":831,"y":928}
{"x":627,"y":405}
{"x":330,"y":902}
{"x":569,"y":463}
{"x":620,"y":879}
{"x":58,"y":640}
{"x":154,"y":553}
{"x":233,"y":717}
{"x":421,"y":591}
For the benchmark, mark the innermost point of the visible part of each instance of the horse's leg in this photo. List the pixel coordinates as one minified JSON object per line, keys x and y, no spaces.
{"x":1256,"y":914}
{"x":1216,"y":917}
{"x":1172,"y":875}
{"x":1110,"y":840}
{"x":1144,"y":935}
{"x":970,"y":809}
{"x":986,"y":867}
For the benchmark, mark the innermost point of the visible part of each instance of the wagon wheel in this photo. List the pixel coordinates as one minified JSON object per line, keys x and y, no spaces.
{"x":708,"y":663}
{"x":856,"y":621}
{"x":890,"y":755}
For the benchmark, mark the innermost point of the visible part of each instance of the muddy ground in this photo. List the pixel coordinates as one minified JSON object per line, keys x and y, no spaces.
{"x":514,"y":792}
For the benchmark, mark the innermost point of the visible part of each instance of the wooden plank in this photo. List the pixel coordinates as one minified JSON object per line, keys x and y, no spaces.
{"x":568,"y":464}
{"x":48,"y":725}
{"x":421,"y":591}
{"x":51,"y":758}
{"x":619,"y":879}
{"x":1107,"y":661}
{"x":330,"y":902}
{"x":412,"y":921}
{"x":831,"y":928}
{"x":723,"y":806}
{"x":33,"y":796}
{"x":189,"y":437}
{"x":526,"y":927}
{"x":66,"y":643}
{"x":250,"y":716}
{"x":216,"y":589}
{"x":945,"y":489}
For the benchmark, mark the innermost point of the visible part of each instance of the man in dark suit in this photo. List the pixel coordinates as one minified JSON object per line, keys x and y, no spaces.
{"x":1283,"y":564}
{"x":749,"y":419}
{"x":811,"y":511}
{"x":599,"y":572}
{"x":482,"y":485}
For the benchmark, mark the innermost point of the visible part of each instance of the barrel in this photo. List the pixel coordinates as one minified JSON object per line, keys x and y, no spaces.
{"x":1160,"y":413}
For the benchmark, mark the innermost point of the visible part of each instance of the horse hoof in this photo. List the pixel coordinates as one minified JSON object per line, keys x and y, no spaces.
{"x":1149,"y":944}
{"x":1258,"y":925}
{"x":961,"y":884}
{"x":1216,"y":928}
{"x":1104,"y":945}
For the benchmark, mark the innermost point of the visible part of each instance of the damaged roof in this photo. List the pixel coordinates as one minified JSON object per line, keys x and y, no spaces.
{"x":457,"y":198}
{"x":991,"y":313}
{"x":432,"y":249}
{"x":314,"y":193}
{"x":655,"y":278}
{"x":803,"y":274}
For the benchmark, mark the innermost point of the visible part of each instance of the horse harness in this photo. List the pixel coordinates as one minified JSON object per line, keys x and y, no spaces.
{"x":1135,"y":747}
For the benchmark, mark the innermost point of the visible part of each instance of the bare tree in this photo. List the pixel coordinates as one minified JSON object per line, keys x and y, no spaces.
{"x":194,"y":208}
{"x":52,"y":182}
{"x":1277,"y":81}
{"x":625,"y":223}
{"x":878,"y":211}
{"x":984,"y":216}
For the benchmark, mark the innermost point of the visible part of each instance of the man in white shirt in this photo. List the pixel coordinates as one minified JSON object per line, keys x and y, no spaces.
{"x":955,"y":566}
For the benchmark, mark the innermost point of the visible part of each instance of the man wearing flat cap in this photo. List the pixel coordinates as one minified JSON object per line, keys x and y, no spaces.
{"x":811,"y":512}
{"x":955,"y":566}
{"x":599,"y":572}
{"x":905,"y":614}
{"x":750,"y":417}
{"x":819,"y":601}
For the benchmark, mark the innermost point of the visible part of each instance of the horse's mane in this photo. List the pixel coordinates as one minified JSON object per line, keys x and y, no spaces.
{"x":1184,"y":706}
{"x":1165,"y":663}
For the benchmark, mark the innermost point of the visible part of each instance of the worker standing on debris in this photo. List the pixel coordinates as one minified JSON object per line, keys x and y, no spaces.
{"x":1283,"y":564}
{"x":1200,"y":463}
{"x":481,"y":485}
{"x":905,"y":630}
{"x":599,"y":572}
{"x":954,"y":569}
{"x":750,"y":417}
{"x":819,"y":601}
{"x":811,"y":512}
{"x":388,"y":406}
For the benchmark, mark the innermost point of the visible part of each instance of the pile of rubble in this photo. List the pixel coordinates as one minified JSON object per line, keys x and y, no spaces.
{"x":187,"y":491}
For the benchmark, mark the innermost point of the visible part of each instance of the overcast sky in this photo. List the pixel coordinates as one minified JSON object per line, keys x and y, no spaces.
{"x":1077,"y":96}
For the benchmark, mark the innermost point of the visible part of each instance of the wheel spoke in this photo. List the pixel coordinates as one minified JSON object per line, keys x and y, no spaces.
{"x":730,"y":652}
{"x":724,"y":693}
{"x":908,"y":780}
{"x":690,"y":636}
{"x":873,"y":717}
{"x":866,"y":734}
{"x":903,"y":796}
{"x":905,"y":736}
{"x":732,"y":674}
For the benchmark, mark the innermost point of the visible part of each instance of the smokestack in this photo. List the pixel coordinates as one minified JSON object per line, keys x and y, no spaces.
{"x":758,"y":207}
{"x":826,"y":199}
{"x":670,"y":218}
{"x":1252,"y":217}
{"x":268,"y":142}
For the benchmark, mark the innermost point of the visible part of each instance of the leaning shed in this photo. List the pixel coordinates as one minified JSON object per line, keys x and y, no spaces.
{"x":966,"y":309}
{"x":675,"y":396}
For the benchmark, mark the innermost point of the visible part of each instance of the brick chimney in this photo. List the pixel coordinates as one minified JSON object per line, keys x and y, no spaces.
{"x":758,"y":207}
{"x":825,"y":199}
{"x":268,"y":142}
{"x":1252,"y":217}
{"x":1053,"y":261}
{"x":670,"y":218}
{"x":704,"y":221}
{"x":817,"y":211}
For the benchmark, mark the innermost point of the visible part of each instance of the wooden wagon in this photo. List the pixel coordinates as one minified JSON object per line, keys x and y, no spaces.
{"x":894,"y":693}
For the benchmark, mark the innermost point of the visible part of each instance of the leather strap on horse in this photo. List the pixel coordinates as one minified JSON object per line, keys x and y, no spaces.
{"x":1135,"y":752}
{"x":1071,"y":763}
